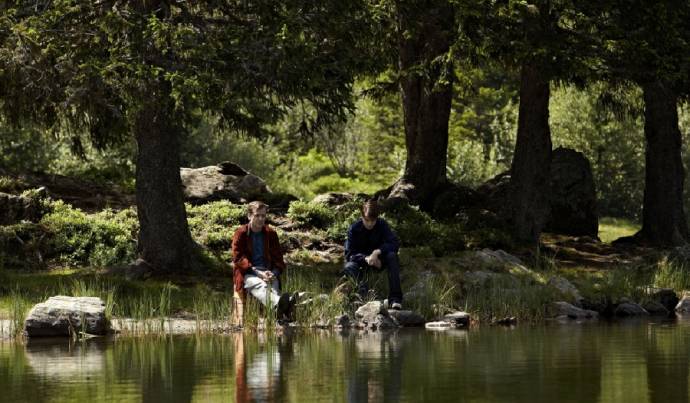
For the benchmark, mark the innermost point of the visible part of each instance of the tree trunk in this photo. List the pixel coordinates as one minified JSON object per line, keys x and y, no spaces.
{"x":425,"y":34}
{"x":663,"y":216}
{"x":531,"y":168}
{"x":165,"y":242}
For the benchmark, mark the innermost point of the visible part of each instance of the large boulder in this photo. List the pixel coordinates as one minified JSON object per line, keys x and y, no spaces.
{"x":64,"y":316}
{"x":225,"y":181}
{"x":573,"y":195}
{"x":14,"y":209}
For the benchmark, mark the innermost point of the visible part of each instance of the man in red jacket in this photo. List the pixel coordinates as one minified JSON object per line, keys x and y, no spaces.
{"x":258,"y":261}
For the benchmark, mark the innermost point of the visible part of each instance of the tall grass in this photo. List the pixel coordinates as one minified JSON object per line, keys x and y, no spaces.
{"x":672,"y":274}
{"x":525,"y":300}
{"x":18,"y":309}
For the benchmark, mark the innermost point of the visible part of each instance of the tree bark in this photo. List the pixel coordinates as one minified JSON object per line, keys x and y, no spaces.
{"x":531,"y":167}
{"x":425,"y":35}
{"x":663,"y":216}
{"x":165,"y":242}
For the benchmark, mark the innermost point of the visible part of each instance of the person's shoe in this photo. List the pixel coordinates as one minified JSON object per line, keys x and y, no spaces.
{"x":283,"y":307}
{"x":396,"y":306}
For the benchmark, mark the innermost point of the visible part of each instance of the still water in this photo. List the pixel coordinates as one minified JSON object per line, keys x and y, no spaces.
{"x":609,"y":362}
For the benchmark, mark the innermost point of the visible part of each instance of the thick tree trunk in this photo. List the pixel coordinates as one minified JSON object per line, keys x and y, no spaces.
{"x":425,"y":34}
{"x":165,"y":242}
{"x":663,"y":216}
{"x":531,"y":168}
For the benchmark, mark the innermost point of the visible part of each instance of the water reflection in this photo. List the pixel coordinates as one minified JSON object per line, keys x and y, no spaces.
{"x":626,"y":361}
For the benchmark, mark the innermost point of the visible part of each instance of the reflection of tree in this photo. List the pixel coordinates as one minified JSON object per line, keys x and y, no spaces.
{"x":667,"y":363}
{"x":17,"y":382}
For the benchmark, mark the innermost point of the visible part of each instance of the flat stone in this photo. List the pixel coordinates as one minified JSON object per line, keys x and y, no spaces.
{"x":439,"y":325}
{"x":407,"y":318}
{"x":62,"y":316}
{"x":459,"y":318}
{"x":630,"y":309}
{"x":656,"y":308}
{"x":565,"y":309}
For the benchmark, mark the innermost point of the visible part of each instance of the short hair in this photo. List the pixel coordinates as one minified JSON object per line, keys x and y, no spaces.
{"x":255,"y":206}
{"x":370,"y":209}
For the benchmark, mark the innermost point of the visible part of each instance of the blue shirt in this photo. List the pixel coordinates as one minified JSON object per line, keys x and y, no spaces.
{"x":257,"y":248}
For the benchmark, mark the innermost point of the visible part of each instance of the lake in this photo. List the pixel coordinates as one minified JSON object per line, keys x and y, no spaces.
{"x":625,"y":361}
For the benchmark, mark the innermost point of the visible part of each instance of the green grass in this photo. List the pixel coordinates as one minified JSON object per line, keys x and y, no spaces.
{"x":611,"y":228}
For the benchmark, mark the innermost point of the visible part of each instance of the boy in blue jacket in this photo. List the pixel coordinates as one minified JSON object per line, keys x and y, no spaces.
{"x":371,"y":244}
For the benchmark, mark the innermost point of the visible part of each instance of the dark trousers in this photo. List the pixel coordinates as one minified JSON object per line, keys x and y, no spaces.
{"x":389,"y":262}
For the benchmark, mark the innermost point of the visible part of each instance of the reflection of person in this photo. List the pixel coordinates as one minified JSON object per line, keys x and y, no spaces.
{"x":259,"y":374}
{"x":258,"y":261}
{"x":371,"y":244}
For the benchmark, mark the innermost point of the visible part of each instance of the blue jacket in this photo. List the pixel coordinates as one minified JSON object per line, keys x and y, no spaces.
{"x":361,"y":241}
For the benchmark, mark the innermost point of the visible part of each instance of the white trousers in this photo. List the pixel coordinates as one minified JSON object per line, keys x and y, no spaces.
{"x":261,"y":291}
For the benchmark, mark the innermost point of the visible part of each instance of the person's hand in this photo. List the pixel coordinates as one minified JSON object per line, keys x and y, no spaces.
{"x":373,"y":259}
{"x":266,"y":275}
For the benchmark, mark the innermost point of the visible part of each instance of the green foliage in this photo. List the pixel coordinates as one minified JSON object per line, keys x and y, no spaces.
{"x":416,"y":228}
{"x":102,"y":239}
{"x":213,"y":224}
{"x":11,"y":185}
{"x":614,"y":147}
{"x":672,"y":274}
{"x":310,"y":214}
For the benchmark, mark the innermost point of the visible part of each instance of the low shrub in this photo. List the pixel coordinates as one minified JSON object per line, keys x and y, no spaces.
{"x":102,"y":239}
{"x":311,"y":214}
{"x":213,"y":224}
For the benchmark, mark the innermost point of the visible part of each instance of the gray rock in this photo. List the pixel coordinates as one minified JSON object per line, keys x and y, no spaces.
{"x":62,"y":316}
{"x":630,"y":309}
{"x":369,"y":310}
{"x":683,"y":306}
{"x":499,"y":258}
{"x":333,"y":199}
{"x":573,"y":196}
{"x":373,"y":316}
{"x":566,"y":288}
{"x":225,"y":181}
{"x":458,"y":318}
{"x":656,"y":308}
{"x":561,"y":308}
{"x":407,"y":318}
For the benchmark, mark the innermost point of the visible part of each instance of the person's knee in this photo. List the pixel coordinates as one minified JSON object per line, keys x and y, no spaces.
{"x":390,"y":257}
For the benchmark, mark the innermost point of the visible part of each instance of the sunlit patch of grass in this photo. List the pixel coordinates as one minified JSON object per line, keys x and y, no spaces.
{"x":672,"y":274}
{"x":525,"y":300}
{"x":611,"y":228}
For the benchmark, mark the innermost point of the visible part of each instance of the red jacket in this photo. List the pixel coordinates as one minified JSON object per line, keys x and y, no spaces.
{"x":242,"y":253}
